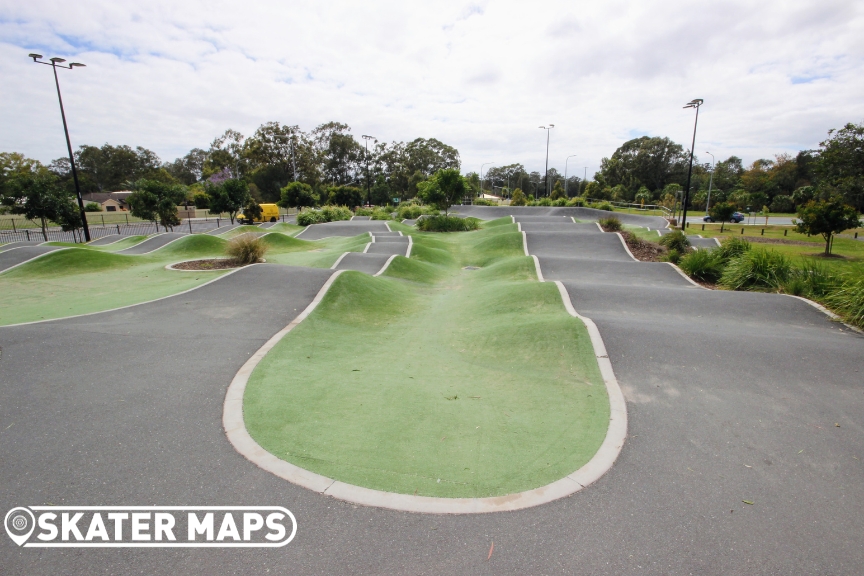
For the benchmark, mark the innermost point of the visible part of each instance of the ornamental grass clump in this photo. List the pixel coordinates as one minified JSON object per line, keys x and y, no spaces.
{"x":676,"y":240}
{"x":326,"y":214}
{"x":610,"y":224}
{"x":848,"y":302}
{"x":704,"y":265}
{"x":246,"y":249}
{"x":441,"y":223}
{"x":757,"y":269}
{"x":812,"y":279}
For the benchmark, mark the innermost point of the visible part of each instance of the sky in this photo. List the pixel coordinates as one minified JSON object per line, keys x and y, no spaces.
{"x":481,"y":76}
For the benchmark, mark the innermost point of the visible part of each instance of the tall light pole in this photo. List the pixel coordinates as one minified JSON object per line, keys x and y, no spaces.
{"x":696,"y":103}
{"x":57,"y":63}
{"x":368,"y":183}
{"x":547,"y":128}
{"x":710,"y":182}
{"x":481,"y":176}
{"x":565,"y":174}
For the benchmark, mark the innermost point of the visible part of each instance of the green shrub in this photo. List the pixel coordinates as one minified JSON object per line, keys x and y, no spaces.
{"x":484,"y":202}
{"x":576,"y":201}
{"x":363,"y":212}
{"x":603,"y":206}
{"x":92,"y":207}
{"x":848,"y":302}
{"x":759,"y":269}
{"x":610,"y":224}
{"x":782,"y":204}
{"x":413,"y":211}
{"x":246,"y":249}
{"x":441,"y":223}
{"x":382,"y":213}
{"x":703,"y":265}
{"x":544,"y":202}
{"x":518,"y":198}
{"x":732,"y":248}
{"x":559,"y":202}
{"x":811,"y":279}
{"x":673,"y":256}
{"x":326,"y":214}
{"x":676,"y":240}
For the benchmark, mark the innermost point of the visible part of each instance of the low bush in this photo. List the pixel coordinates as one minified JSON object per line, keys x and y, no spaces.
{"x":559,"y":202}
{"x":544,"y":202}
{"x":413,"y":211}
{"x":812,"y":279}
{"x":441,"y":223}
{"x":703,"y":265}
{"x":732,"y":248}
{"x":363,"y":212}
{"x":676,"y":240}
{"x":603,"y":206}
{"x":757,"y":269}
{"x":485,"y":202}
{"x":673,"y":256}
{"x":92,"y":207}
{"x":385,"y":213}
{"x":610,"y":224}
{"x":246,"y":249}
{"x":848,"y":301}
{"x":326,"y":214}
{"x":576,"y":201}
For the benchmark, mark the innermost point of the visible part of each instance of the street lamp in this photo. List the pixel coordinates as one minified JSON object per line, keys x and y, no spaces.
{"x":565,"y":174}
{"x":368,"y":184}
{"x":547,"y":128}
{"x":710,"y":182}
{"x":481,"y":176}
{"x":696,"y":103}
{"x":57,"y":63}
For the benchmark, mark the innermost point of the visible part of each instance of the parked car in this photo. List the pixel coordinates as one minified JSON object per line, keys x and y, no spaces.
{"x":737,"y":217}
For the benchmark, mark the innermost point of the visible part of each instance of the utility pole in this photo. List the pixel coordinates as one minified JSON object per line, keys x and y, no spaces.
{"x":56,"y":63}
{"x":368,"y":183}
{"x":710,"y":182}
{"x":550,"y":127}
{"x":696,"y":103}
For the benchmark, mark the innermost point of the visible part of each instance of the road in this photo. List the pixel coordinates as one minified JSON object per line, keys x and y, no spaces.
{"x":124,"y":408}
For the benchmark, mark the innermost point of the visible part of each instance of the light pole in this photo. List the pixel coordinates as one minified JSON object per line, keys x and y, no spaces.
{"x":565,"y":174}
{"x":56,"y":63}
{"x":696,"y":103}
{"x":546,"y":178}
{"x":710,"y":182}
{"x":585,"y":180}
{"x":368,"y":183}
{"x":481,"y":176}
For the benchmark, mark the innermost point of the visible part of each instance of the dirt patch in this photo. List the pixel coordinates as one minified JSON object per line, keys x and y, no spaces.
{"x":643,"y":250}
{"x":210,"y":264}
{"x":762,"y":240}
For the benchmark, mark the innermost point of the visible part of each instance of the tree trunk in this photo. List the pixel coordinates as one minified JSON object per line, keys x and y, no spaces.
{"x":828,"y":245}
{"x":44,"y":229}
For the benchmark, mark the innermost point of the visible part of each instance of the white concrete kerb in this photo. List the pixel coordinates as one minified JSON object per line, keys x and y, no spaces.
{"x":410,"y":245}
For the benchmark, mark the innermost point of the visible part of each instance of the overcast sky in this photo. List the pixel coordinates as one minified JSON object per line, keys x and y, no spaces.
{"x":480,"y":76}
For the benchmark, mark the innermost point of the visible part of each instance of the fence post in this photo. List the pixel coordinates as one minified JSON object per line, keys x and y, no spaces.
{"x":103,"y":219}
{"x":786,"y":231}
{"x":190,"y":225}
{"x":127,"y":219}
{"x":13,"y":226}
{"x":217,"y":222}
{"x":28,"y":234}
{"x":763,"y":232}
{"x":742,"y":231}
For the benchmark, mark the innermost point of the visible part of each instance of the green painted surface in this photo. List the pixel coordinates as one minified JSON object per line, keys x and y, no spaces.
{"x":433,"y":379}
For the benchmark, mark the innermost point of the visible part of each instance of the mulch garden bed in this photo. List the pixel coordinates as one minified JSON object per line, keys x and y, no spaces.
{"x":210,"y":264}
{"x":642,"y":249}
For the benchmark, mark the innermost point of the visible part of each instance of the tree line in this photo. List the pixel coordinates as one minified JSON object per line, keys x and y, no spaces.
{"x":654,"y":170}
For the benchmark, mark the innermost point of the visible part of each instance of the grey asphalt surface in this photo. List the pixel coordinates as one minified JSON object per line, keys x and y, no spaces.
{"x":341,"y":228}
{"x":153,"y":243}
{"x":10,"y":245}
{"x":368,"y":263}
{"x":109,"y":239}
{"x":223,"y":229}
{"x":19,"y":255}
{"x":124,"y":408}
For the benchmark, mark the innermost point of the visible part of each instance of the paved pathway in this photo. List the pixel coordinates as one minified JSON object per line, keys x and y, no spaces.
{"x":342,"y":228}
{"x":152,"y":243}
{"x":124,"y":408}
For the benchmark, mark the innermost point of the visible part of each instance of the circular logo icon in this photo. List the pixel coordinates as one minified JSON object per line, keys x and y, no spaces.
{"x":19,"y":523}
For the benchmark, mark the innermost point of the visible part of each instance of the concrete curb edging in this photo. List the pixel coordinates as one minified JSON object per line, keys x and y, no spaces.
{"x":386,"y":264}
{"x":591,"y":471}
{"x":825,"y":311}
{"x":624,"y":243}
{"x":525,"y":243}
{"x":410,"y":245}
{"x":338,"y":260}
{"x":683,"y":275}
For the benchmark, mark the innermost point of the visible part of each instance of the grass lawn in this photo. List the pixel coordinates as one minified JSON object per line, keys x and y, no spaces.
{"x":87,"y":279}
{"x":435,"y":380}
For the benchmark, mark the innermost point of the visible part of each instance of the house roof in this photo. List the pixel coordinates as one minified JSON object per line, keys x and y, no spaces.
{"x":102,"y":197}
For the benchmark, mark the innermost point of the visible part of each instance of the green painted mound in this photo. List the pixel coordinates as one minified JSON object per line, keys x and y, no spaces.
{"x":71,"y":261}
{"x":193,"y":246}
{"x":283,"y":243}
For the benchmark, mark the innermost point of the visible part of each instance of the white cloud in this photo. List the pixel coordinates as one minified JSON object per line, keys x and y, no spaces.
{"x":481,"y":76}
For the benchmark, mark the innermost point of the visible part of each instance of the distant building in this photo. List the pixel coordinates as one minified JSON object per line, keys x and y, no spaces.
{"x":109,"y":201}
